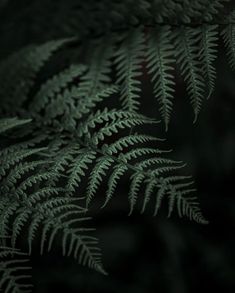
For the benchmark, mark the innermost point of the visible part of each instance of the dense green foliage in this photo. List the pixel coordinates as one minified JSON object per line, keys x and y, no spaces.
{"x":62,"y":139}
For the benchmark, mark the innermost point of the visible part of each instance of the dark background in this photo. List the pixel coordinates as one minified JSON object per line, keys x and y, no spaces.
{"x":144,"y":254}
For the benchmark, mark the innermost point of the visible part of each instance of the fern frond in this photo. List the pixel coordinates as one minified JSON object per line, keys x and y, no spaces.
{"x":28,"y":144}
{"x":99,"y":71}
{"x":208,"y":54}
{"x":87,"y":103}
{"x":49,"y":210}
{"x":228,"y":35}
{"x":65,"y":98}
{"x":14,"y":158}
{"x":183,"y":206}
{"x":54,"y":86}
{"x":31,"y":202}
{"x":122,"y":155}
{"x":132,"y":139}
{"x":160,"y":57}
{"x":14,"y":271}
{"x":103,"y":164}
{"x":143,"y":172}
{"x":114,"y":120}
{"x":115,"y":126}
{"x":187,"y":57}
{"x":77,"y":170}
{"x":64,"y":156}
{"x":136,"y":182}
{"x":118,"y":171}
{"x":80,"y":139}
{"x":128,"y":59}
{"x":18,"y":172}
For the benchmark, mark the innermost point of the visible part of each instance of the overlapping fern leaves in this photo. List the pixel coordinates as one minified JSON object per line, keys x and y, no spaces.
{"x":83,"y":145}
{"x":60,"y":144}
{"x":67,"y":144}
{"x":189,"y":41}
{"x":30,"y":201}
{"x":193,"y":50}
{"x":32,"y":205}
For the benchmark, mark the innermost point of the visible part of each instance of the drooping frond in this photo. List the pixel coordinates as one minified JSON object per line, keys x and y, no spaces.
{"x":58,"y":100}
{"x":71,"y":93}
{"x":208,"y":53}
{"x":188,"y":59}
{"x":85,"y":150}
{"x":228,"y":35}
{"x":121,"y":59}
{"x":98,"y":75}
{"x":124,"y":155}
{"x":14,"y":271}
{"x":160,"y":57}
{"x":153,"y":168}
{"x":128,"y":59}
{"x":114,"y":120}
{"x":79,"y":129}
{"x":31,"y":202}
{"x":12,"y":159}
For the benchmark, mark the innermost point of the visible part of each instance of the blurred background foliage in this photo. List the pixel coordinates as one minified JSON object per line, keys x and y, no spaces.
{"x":144,"y":254}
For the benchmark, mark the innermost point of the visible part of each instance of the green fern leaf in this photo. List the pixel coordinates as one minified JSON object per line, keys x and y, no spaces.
{"x":228,"y":35}
{"x":50,"y":209}
{"x":54,"y":86}
{"x":98,"y":75}
{"x":118,"y":171}
{"x":208,"y":54}
{"x":13,"y":158}
{"x":84,"y":158}
{"x":128,"y":59}
{"x":136,"y":182}
{"x":187,"y":57}
{"x":160,"y":57}
{"x":103,"y":164}
{"x":14,"y":271}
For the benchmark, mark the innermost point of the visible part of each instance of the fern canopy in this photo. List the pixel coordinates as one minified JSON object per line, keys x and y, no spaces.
{"x":83,"y":147}
{"x":72,"y":119}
